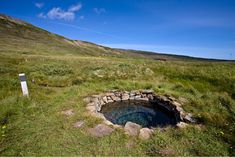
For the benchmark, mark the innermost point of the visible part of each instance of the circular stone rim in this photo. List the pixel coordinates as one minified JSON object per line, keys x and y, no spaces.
{"x":95,"y":103}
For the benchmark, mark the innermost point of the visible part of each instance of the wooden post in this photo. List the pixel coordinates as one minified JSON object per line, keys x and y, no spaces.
{"x":23,"y":83}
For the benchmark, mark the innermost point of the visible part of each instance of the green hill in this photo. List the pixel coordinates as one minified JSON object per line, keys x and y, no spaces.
{"x":22,"y":37}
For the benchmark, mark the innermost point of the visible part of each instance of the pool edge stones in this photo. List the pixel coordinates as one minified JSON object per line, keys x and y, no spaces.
{"x":23,"y":83}
{"x":95,"y":103}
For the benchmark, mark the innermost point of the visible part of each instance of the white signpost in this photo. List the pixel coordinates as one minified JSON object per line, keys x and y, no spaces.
{"x":24,"y":86}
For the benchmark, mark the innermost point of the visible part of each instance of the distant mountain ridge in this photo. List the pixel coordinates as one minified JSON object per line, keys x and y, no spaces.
{"x":22,"y":37}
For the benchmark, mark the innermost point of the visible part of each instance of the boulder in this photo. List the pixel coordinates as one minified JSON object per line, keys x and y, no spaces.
{"x":100,"y":130}
{"x":189,"y":118}
{"x":147,"y":91}
{"x":110,"y":94}
{"x":114,"y":98}
{"x":137,"y":97}
{"x":132,"y":129}
{"x":87,"y":100}
{"x":132,"y":94}
{"x":181,"y":125}
{"x":107,"y":122}
{"x":105,"y":99}
{"x":125,"y":96}
{"x":179,"y":109}
{"x":150,"y":96}
{"x":102,"y":102}
{"x":145,"y":133}
{"x":78,"y":124}
{"x":110,"y":101}
{"x":98,"y":107}
{"x":91,"y":108}
{"x":91,"y":104}
{"x":171,"y":98}
{"x":176,"y":103}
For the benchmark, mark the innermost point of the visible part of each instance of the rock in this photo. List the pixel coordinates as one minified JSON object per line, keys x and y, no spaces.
{"x":132,"y":94}
{"x":107,"y":122}
{"x":114,"y":98}
{"x":102,"y":102}
{"x":78,"y":124}
{"x":132,"y":129}
{"x":116,"y":126}
{"x":98,"y":115}
{"x":181,"y":125}
{"x":171,"y":98}
{"x":179,"y":109}
{"x":143,"y":95}
{"x":87,"y":100}
{"x":145,"y":133}
{"x":100,"y":130}
{"x":182,"y":115}
{"x":110,"y":101}
{"x":125,"y":96}
{"x":162,"y":98}
{"x":91,"y":104}
{"x":137,"y":97}
{"x":98,"y":106}
{"x":118,"y":95}
{"x":147,"y":91}
{"x":110,"y":94}
{"x":118,"y":99}
{"x":189,"y":118}
{"x":176,"y":103}
{"x":150,"y":96}
{"x":91,"y":108}
{"x":68,"y":112}
{"x":95,"y":100}
{"x":105,"y":100}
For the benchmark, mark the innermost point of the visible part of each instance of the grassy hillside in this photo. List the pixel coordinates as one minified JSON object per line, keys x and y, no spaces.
{"x":62,"y":72}
{"x":21,"y":37}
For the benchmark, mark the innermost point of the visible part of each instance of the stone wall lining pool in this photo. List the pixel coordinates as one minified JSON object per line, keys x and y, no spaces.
{"x":96,"y":102}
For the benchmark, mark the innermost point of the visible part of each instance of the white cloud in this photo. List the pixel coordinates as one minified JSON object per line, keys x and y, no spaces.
{"x":74,"y":8}
{"x":42,"y":15}
{"x":39,"y":5}
{"x":99,"y":10}
{"x":58,"y":13}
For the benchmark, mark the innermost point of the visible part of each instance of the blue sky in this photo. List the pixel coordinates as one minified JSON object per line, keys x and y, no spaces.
{"x":200,"y":28}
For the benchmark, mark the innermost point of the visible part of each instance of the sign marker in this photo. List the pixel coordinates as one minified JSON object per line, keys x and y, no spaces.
{"x":23,"y":83}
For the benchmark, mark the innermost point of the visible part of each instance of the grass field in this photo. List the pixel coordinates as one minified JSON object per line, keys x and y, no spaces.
{"x":60,"y":81}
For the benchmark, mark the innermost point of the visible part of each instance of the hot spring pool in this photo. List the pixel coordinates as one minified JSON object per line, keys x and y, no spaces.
{"x":144,"y":113}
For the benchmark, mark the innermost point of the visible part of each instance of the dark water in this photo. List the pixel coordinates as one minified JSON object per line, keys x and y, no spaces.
{"x":143,"y":113}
